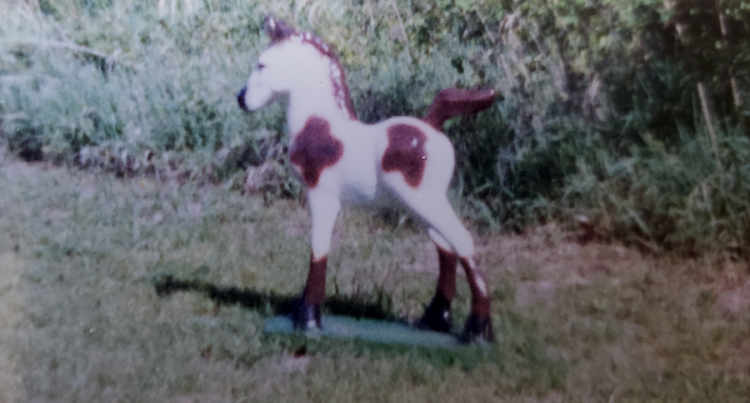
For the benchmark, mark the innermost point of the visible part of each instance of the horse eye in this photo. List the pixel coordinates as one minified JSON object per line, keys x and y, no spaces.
{"x":261,"y":66}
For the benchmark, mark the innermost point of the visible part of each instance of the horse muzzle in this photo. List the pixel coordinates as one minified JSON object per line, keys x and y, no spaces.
{"x":241,"y":98}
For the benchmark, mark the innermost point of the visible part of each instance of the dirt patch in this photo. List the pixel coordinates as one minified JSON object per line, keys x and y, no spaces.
{"x":548,"y":253}
{"x":733,"y":296}
{"x":530,"y":292}
{"x":20,"y":172}
{"x":294,"y":363}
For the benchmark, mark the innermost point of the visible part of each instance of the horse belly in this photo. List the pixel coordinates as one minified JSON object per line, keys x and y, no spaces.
{"x":357,"y":171}
{"x":359,"y":183}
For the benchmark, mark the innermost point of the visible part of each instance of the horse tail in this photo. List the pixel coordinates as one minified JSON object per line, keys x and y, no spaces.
{"x":453,"y":102}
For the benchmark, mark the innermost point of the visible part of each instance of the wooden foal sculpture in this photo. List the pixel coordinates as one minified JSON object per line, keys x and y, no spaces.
{"x":342,"y":160}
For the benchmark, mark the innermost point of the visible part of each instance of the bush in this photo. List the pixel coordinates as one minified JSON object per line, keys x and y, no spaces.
{"x":628,"y":112}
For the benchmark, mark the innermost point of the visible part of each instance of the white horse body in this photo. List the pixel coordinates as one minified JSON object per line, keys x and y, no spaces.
{"x":342,"y":160}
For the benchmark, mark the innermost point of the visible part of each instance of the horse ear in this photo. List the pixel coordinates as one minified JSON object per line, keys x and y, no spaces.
{"x":277,"y":29}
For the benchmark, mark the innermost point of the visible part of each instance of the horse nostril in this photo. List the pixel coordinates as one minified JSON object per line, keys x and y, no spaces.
{"x":241,"y":98}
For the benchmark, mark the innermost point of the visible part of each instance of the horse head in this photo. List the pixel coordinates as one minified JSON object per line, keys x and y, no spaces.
{"x":294,"y":62}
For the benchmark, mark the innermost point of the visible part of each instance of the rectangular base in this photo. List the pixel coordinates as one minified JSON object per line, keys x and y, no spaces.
{"x":376,"y":331}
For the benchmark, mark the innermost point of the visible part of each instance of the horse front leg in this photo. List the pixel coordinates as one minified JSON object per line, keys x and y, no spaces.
{"x":324,"y":209}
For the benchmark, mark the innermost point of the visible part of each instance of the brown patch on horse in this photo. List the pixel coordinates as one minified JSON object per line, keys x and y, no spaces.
{"x":453,"y":102}
{"x":315,"y":290}
{"x":314,"y":149}
{"x":406,"y":153}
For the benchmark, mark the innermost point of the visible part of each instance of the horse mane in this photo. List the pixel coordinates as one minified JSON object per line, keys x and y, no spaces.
{"x":279,"y":31}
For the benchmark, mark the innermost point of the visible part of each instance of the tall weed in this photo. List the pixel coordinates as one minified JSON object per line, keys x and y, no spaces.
{"x":677,"y":197}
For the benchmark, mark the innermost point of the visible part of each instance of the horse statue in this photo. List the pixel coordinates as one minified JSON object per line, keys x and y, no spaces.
{"x":341,"y":160}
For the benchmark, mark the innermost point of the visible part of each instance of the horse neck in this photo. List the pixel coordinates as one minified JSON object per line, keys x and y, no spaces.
{"x":314,"y":100}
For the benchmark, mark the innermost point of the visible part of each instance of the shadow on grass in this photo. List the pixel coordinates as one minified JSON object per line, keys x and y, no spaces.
{"x":374,"y":306}
{"x":519,"y":353}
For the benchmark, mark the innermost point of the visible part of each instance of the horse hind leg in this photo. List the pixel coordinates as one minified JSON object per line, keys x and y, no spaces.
{"x":447,"y":230}
{"x":479,"y":323}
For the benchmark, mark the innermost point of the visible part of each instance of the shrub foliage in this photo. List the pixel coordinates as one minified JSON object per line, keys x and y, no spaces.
{"x":632,"y":114}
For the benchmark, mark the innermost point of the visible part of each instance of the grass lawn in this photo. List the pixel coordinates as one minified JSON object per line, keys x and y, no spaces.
{"x":146,"y":290}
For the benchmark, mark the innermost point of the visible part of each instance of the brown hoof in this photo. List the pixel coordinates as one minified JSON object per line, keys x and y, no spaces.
{"x":305,"y":316}
{"x":437,"y":316}
{"x":477,"y":328}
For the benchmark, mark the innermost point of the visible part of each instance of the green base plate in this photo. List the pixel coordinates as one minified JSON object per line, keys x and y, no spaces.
{"x":376,"y":331}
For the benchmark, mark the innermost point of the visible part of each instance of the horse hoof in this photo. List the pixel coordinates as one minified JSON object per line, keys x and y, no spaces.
{"x":305,"y":316}
{"x":477,"y":328}
{"x":437,"y":316}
